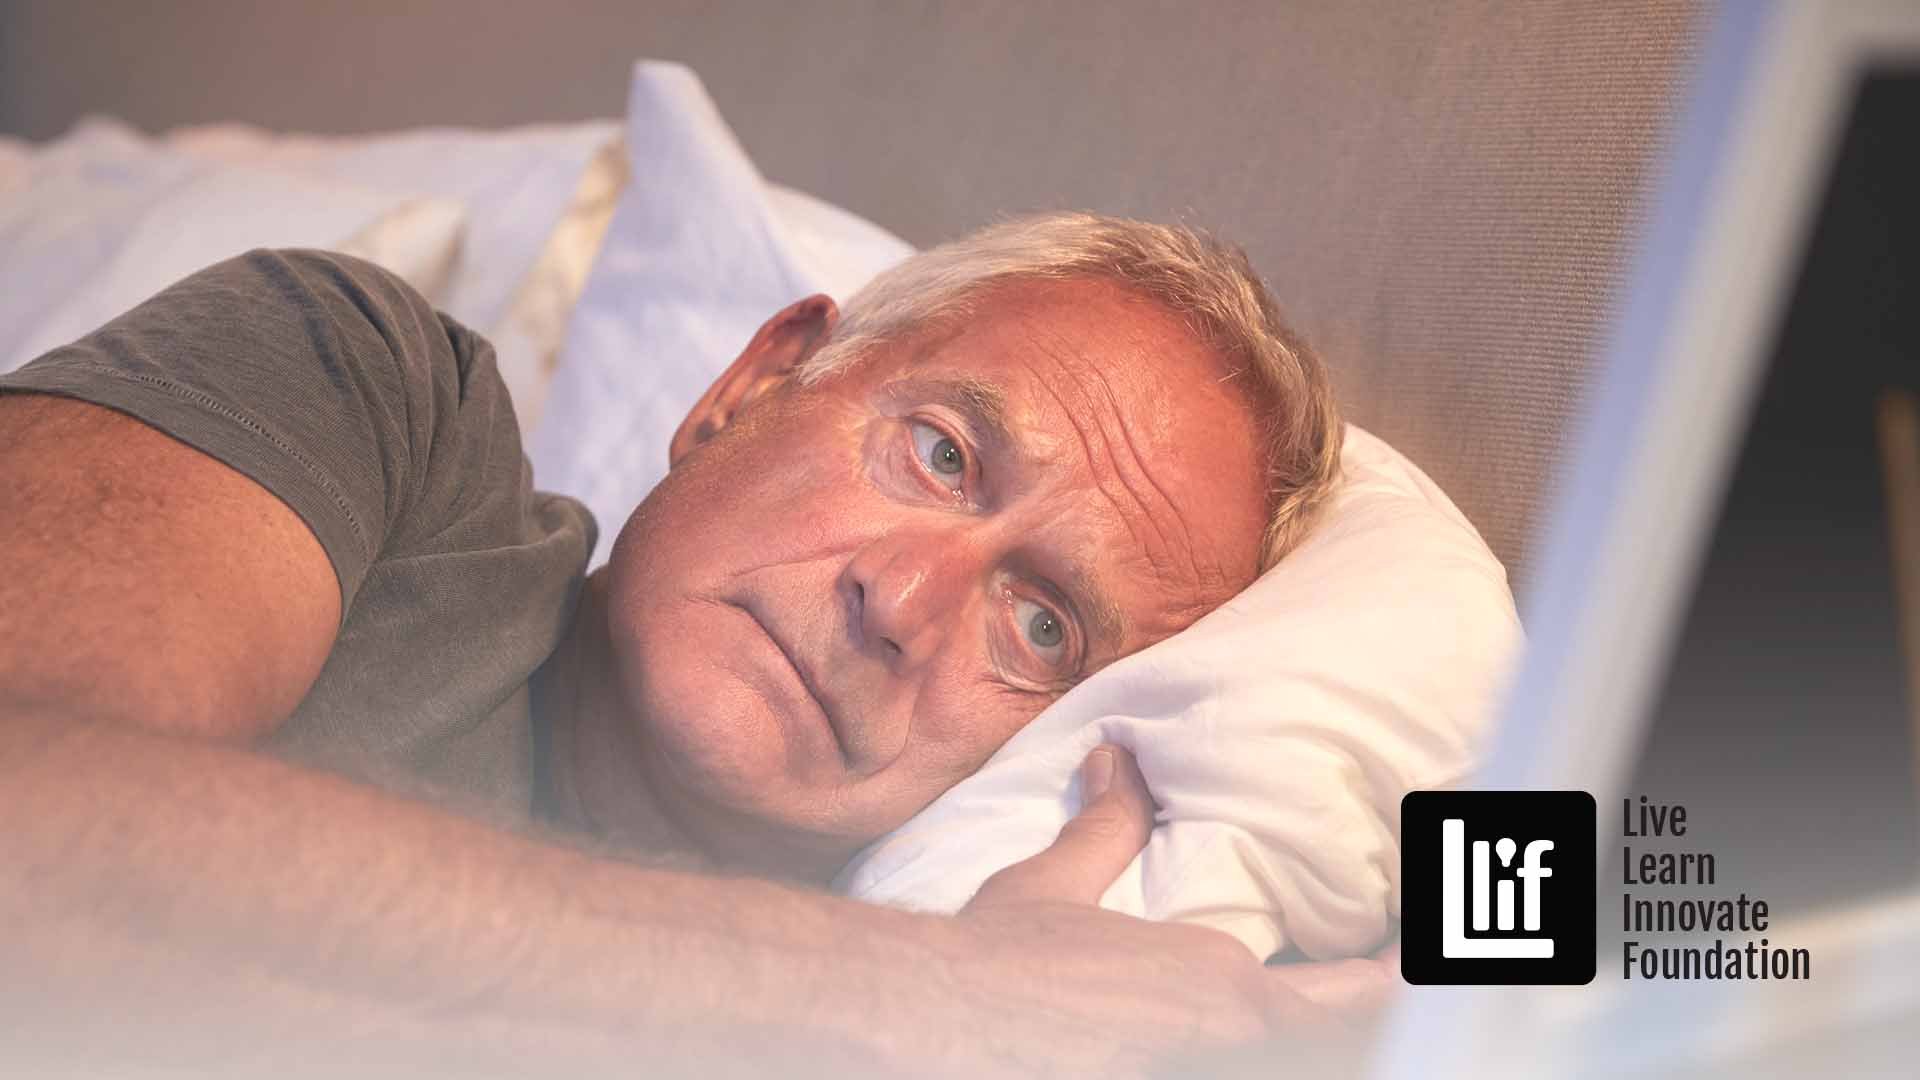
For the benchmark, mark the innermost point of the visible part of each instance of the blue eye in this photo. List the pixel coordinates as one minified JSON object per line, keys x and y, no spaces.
{"x":938,"y":452}
{"x":1044,"y":630}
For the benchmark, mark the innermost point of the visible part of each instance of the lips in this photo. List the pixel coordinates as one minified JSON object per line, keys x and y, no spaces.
{"x":805,"y":675}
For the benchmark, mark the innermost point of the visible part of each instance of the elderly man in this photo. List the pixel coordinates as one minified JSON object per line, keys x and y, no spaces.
{"x":287,"y":636}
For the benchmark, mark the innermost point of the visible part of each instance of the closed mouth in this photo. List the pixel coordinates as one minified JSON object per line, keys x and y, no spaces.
{"x":805,"y":676}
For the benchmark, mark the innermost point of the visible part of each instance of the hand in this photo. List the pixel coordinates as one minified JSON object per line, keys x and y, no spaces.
{"x":1115,"y":992}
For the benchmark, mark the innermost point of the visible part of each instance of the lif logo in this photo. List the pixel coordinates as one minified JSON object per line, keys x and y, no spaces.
{"x":1497,"y":887}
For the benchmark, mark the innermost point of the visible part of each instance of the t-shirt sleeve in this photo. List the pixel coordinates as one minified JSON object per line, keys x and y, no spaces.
{"x":322,"y":377}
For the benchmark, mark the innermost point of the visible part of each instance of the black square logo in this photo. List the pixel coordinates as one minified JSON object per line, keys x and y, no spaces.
{"x":1497,"y":887}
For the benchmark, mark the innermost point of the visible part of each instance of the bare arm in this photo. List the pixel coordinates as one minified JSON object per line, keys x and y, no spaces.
{"x":171,"y":896}
{"x":171,"y":611}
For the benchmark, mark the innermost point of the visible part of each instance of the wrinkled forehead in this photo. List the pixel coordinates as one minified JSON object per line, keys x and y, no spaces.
{"x":1110,"y":424}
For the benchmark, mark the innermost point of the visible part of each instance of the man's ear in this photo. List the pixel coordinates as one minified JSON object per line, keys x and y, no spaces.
{"x":781,"y":345}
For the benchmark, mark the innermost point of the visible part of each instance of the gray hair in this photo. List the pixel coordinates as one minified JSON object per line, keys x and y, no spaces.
{"x":1208,"y":283}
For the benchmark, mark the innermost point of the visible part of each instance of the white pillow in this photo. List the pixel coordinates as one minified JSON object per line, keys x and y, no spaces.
{"x":103,"y":218}
{"x":701,"y":250}
{"x":532,"y":197}
{"x":528,"y":336}
{"x":1278,"y":733}
{"x":418,"y":239}
{"x":515,"y":185}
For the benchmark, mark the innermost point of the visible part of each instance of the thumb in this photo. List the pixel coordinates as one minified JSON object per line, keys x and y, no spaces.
{"x":1115,"y":819}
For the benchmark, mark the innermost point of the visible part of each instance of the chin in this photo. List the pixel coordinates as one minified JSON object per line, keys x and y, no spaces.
{"x":747,"y":811}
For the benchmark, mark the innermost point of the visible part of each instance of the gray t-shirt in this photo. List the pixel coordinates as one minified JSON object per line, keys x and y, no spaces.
{"x":386,"y":427}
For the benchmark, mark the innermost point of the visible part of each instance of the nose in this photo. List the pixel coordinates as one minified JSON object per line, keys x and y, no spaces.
{"x":908,"y":591}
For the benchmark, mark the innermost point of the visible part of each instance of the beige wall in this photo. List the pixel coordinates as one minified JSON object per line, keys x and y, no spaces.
{"x":1441,"y":193}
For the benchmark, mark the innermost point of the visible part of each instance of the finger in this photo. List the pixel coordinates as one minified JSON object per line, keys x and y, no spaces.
{"x":1354,"y":989}
{"x":1115,"y":819}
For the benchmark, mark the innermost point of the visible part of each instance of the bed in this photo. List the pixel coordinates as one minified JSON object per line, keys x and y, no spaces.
{"x":1441,"y":196}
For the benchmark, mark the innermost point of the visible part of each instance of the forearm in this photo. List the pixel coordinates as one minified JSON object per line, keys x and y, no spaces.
{"x":177,"y":898}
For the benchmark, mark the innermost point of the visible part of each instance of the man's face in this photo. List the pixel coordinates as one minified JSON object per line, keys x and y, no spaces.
{"x":849,"y":596}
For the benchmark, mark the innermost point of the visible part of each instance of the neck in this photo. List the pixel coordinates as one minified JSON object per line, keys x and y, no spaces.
{"x":592,"y":775}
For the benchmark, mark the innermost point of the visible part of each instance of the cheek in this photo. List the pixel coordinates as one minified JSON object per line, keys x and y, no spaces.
{"x":697,"y":711}
{"x":796,"y":469}
{"x":751,"y":497}
{"x":718,"y":734}
{"x":708,"y":722}
{"x":960,"y":720}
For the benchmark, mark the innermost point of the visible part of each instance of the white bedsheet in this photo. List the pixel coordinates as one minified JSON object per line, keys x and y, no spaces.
{"x":514,"y":185}
{"x":101,"y":218}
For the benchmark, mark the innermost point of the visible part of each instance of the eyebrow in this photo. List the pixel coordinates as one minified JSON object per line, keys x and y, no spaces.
{"x":983,"y":403}
{"x":984,"y":407}
{"x":1100,"y":608}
